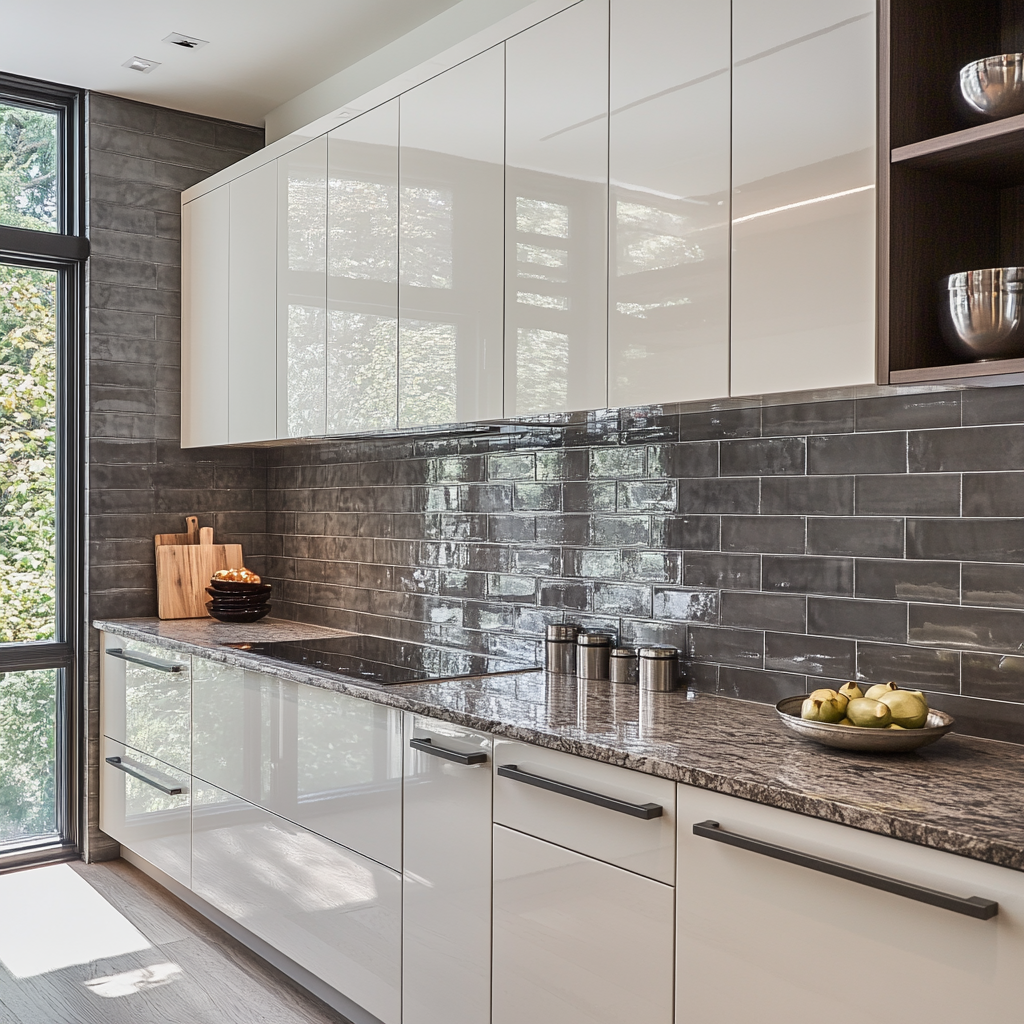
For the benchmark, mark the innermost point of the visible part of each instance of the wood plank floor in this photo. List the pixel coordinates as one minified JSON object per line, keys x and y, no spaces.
{"x":104,"y":944}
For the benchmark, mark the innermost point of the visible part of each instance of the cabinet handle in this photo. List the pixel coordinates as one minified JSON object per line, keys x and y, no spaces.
{"x":142,"y":659}
{"x":477,"y":757}
{"x":972,"y":906}
{"x":116,"y":762}
{"x":648,"y":811}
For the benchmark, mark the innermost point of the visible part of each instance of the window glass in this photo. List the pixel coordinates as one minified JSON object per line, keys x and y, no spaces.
{"x":29,"y":168}
{"x":28,"y":754}
{"x":28,"y":426}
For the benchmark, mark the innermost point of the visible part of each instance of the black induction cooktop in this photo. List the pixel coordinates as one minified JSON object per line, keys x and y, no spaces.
{"x":376,"y":659}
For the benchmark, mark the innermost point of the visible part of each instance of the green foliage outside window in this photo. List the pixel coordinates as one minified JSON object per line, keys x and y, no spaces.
{"x":28,"y":168}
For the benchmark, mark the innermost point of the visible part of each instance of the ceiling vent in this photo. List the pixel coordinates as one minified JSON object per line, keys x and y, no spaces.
{"x":185,"y":42}
{"x":141,"y":64}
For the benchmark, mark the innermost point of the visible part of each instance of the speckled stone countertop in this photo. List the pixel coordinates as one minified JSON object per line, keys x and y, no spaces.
{"x":962,"y":795}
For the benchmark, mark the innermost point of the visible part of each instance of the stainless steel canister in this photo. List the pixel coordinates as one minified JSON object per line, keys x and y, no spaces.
{"x":622,"y":665}
{"x":592,"y":651}
{"x":560,"y":648}
{"x":659,"y":668}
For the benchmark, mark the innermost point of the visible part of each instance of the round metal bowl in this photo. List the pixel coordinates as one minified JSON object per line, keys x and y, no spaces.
{"x":851,"y":737}
{"x":981,"y":313}
{"x":994,"y":86}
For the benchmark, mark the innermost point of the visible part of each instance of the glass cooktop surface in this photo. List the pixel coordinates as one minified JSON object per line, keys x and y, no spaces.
{"x":375,"y":659}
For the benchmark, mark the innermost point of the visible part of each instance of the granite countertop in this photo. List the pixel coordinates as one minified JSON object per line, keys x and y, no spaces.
{"x":962,"y":795}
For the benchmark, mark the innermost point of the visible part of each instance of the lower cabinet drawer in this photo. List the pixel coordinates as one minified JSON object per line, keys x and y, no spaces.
{"x":145,"y":804}
{"x":764,"y":939}
{"x":569,"y":817}
{"x":577,"y":941}
{"x":333,"y":912}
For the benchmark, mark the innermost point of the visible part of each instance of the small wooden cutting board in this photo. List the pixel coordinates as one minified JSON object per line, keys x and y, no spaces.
{"x":184,"y":564}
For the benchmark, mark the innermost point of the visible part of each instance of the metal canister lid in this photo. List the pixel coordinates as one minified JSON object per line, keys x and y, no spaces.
{"x":563,"y":632}
{"x":594,"y":639}
{"x":658,"y":653}
{"x":622,"y":652}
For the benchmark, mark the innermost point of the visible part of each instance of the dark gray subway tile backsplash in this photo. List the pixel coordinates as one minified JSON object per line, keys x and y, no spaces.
{"x":781,"y":548}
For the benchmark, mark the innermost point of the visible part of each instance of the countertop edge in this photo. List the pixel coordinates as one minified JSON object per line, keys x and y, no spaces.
{"x":919,"y":833}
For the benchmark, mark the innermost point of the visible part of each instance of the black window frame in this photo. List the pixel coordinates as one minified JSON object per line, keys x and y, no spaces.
{"x":64,"y":251}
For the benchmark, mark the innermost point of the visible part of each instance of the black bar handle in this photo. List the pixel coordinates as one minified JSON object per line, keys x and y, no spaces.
{"x":647,"y":811}
{"x":477,"y":757}
{"x":141,"y":659}
{"x":972,"y":906}
{"x":116,"y":762}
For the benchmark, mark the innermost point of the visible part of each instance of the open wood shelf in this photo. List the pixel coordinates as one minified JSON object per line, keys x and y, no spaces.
{"x":951,"y":190}
{"x":957,"y":371}
{"x":989,"y":154}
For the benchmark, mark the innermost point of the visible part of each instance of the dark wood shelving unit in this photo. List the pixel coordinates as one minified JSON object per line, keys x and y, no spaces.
{"x":951,"y":190}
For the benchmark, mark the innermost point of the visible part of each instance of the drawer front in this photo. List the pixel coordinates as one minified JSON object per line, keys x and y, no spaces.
{"x":329,"y":762}
{"x":337,"y":914}
{"x":784,"y":930}
{"x":646,"y":846}
{"x":146,"y":699}
{"x":146,"y":805}
{"x":446,"y":962}
{"x":577,"y":941}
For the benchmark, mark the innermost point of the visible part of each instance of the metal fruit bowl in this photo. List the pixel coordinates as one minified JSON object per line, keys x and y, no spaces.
{"x":852,"y":737}
{"x":994,"y":86}
{"x":982,"y":312}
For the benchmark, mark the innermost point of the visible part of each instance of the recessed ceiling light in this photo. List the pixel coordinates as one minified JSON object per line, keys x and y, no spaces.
{"x":185,"y":42}
{"x":141,"y":64}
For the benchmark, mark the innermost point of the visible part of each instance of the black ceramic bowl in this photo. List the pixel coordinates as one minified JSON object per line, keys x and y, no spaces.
{"x":248,"y":597}
{"x":247,"y":615}
{"x":229,"y":587}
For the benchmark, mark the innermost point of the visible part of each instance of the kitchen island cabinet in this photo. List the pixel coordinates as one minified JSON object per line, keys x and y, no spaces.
{"x":753,"y":931}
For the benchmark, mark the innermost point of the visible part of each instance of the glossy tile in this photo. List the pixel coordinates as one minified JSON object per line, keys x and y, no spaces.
{"x":686,"y":605}
{"x":863,"y":620}
{"x":808,"y":574}
{"x":912,"y":668}
{"x":763,"y":457}
{"x":811,"y":655}
{"x":807,"y":495}
{"x":903,"y":580}
{"x":782,"y":534}
{"x":914,"y":494}
{"x":778,"y":612}
{"x":725,"y":571}
{"x":882,"y":538}
{"x":858,"y":453}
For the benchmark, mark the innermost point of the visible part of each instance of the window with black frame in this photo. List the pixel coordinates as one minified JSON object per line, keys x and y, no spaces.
{"x":42,"y":255}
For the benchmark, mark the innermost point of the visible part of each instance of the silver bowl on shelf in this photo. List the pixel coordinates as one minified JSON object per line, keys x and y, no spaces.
{"x":981,"y":313}
{"x":871,"y":741}
{"x":994,"y":86}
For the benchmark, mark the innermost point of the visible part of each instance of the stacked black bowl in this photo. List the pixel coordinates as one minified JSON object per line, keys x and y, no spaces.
{"x":238,"y":602}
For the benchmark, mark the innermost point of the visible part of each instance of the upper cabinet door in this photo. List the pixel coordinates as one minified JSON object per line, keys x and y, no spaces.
{"x":362,"y":261}
{"x":803,"y":279}
{"x":204,"y":319}
{"x":252,"y":321}
{"x":556,"y":213}
{"x":452,"y":245}
{"x":668,"y":327}
{"x":302,"y":291}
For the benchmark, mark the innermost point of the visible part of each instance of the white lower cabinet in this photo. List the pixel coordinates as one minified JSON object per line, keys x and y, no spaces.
{"x":146,"y":805}
{"x":760,"y":939}
{"x":329,"y":762}
{"x":333,"y":912}
{"x":446,"y":963}
{"x":577,"y":941}
{"x":145,"y":699}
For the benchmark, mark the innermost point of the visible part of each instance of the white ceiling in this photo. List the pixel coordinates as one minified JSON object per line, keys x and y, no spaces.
{"x":261,"y":53}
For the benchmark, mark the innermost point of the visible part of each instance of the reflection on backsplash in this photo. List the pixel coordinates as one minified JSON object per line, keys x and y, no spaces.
{"x":782,"y":548}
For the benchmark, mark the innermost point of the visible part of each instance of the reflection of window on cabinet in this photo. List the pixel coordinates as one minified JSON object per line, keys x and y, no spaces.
{"x":362,"y":335}
{"x":302,"y":300}
{"x":556,"y":214}
{"x":668,"y":331}
{"x":451,"y":244}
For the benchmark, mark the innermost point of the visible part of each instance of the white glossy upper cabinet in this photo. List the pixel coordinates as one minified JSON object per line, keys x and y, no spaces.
{"x":302,"y":291}
{"x":252,"y":319}
{"x":556,"y":213}
{"x":668,"y":327}
{"x":803,"y":272}
{"x":362,"y":260}
{"x":451,"y":245}
{"x":204,"y":319}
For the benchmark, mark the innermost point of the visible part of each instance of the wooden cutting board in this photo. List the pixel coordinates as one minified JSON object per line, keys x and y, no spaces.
{"x":184,"y":564}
